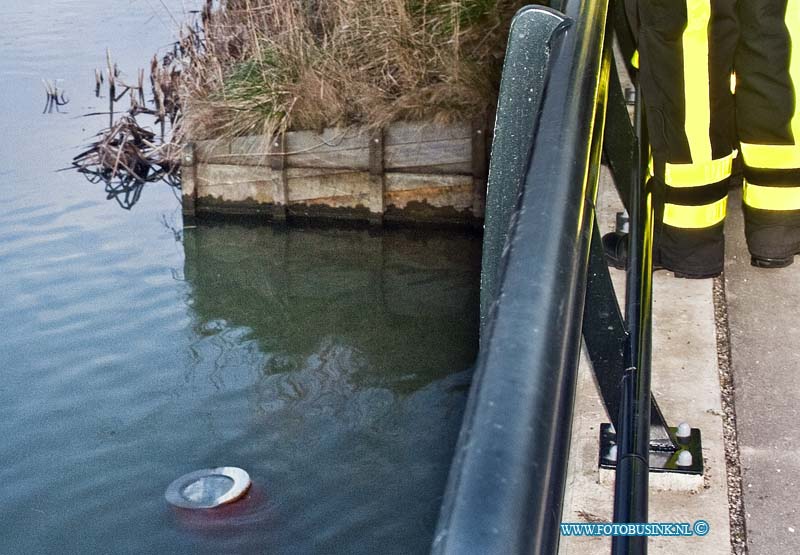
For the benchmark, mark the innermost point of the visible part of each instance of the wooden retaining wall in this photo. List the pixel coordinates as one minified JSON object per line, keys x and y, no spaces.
{"x":410,"y":172}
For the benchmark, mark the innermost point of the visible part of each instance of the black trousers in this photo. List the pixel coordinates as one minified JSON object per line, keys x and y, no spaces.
{"x":719,"y":79}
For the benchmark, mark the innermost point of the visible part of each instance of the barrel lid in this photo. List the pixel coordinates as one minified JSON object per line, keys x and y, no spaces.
{"x":208,"y":488}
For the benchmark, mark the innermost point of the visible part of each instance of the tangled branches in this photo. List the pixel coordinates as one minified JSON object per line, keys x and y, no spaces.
{"x":127,"y":156}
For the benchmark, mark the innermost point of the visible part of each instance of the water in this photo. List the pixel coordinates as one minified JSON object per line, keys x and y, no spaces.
{"x":332,"y":365}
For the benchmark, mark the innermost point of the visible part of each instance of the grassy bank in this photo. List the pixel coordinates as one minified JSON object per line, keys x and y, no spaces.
{"x":262,"y":66}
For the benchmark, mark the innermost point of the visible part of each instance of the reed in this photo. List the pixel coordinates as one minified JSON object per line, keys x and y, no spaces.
{"x":267,"y":66}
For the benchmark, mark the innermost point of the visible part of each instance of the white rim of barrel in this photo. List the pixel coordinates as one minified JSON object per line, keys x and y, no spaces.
{"x":175,"y":493}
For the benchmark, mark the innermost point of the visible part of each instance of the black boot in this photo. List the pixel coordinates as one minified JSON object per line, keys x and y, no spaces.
{"x":616,"y":247}
{"x":763,"y":262}
{"x":773,"y":237}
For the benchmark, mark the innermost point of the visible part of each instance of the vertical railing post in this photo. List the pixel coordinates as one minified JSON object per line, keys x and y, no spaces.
{"x":633,"y":435}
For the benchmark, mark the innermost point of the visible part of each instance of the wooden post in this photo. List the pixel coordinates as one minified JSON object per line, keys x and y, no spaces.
{"x":277,"y":163}
{"x":377,"y":178}
{"x":480,"y":165}
{"x":189,"y":183}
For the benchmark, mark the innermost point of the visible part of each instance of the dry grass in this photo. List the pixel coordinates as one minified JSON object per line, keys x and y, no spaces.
{"x":264,"y":66}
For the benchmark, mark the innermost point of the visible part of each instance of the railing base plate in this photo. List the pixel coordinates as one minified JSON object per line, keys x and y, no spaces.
{"x":661,"y":460}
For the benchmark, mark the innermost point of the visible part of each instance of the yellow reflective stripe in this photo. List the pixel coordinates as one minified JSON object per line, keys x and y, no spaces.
{"x":783,"y":157}
{"x":635,"y":59}
{"x":696,"y":79}
{"x":771,"y":198}
{"x":733,"y":83}
{"x":793,"y":26}
{"x":697,"y":175}
{"x":695,"y":217}
{"x":771,"y":157}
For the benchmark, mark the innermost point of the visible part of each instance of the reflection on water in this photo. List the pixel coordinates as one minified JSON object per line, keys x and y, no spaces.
{"x":127,"y":190}
{"x":334,"y":299}
{"x":332,"y":365}
{"x":350,"y":352}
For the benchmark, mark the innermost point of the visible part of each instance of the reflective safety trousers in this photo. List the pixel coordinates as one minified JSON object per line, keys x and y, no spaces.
{"x":720,"y":78}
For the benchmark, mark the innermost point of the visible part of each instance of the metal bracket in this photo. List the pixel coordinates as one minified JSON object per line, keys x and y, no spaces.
{"x":661,"y":459}
{"x":604,"y":333}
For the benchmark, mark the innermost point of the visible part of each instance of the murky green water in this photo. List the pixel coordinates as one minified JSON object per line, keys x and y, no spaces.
{"x":332,"y":365}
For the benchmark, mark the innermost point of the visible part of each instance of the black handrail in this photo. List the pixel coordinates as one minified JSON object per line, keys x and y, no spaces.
{"x":506,"y":484}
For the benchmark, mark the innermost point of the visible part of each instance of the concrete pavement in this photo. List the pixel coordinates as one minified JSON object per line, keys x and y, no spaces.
{"x":764,"y":335}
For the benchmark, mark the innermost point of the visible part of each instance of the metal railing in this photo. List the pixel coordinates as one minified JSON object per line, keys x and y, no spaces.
{"x":506,"y":484}
{"x":544,"y":282}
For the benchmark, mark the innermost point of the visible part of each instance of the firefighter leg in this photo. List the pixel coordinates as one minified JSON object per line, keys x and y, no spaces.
{"x":686,"y":50}
{"x":768,"y":121}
